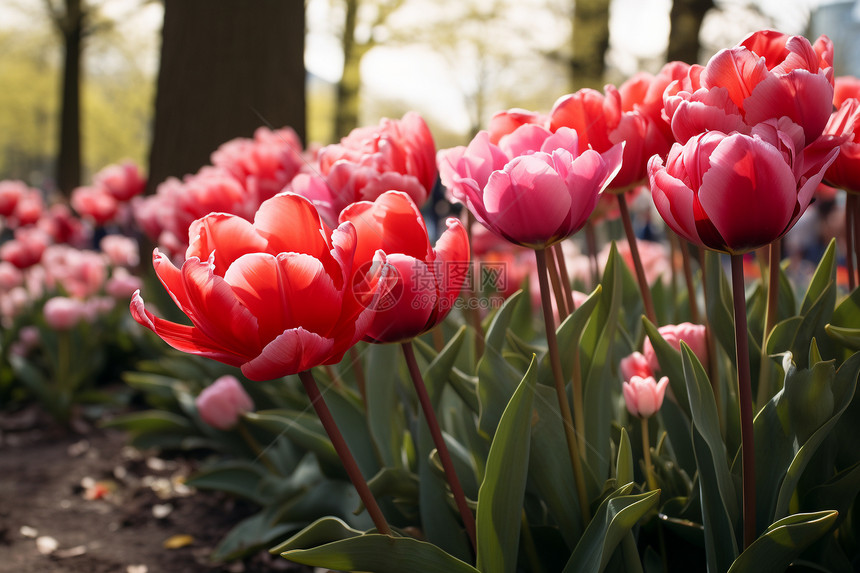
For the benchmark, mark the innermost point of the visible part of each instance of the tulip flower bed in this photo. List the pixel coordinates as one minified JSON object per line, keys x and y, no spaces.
{"x":488,"y":394}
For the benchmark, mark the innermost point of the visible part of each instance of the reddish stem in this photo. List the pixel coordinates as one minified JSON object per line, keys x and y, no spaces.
{"x":555,"y":281}
{"x":745,"y":398}
{"x":442,"y":449}
{"x":343,"y":452}
{"x":850,"y":235}
{"x":565,"y":276}
{"x":637,"y":260}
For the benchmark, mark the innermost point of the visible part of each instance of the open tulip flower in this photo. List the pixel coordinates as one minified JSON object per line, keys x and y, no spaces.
{"x":544,"y":193}
{"x":768,"y":75}
{"x":735,"y":193}
{"x":275,"y":297}
{"x":425,"y":282}
{"x":395,"y":155}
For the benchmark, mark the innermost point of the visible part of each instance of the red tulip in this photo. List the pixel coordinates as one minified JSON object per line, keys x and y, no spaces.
{"x":845,"y":87}
{"x":10,"y":193}
{"x":123,"y":181}
{"x":505,"y":122}
{"x":275,"y":297}
{"x":735,"y":193}
{"x":767,"y":76}
{"x":423,"y":290}
{"x":543,"y":197}
{"x":635,"y":365}
{"x":844,"y":173}
{"x":29,"y":208}
{"x":26,"y":249}
{"x":601,"y":122}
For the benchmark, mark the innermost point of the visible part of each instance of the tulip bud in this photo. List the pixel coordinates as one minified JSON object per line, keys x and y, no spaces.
{"x":221,"y":404}
{"x":644,"y":396}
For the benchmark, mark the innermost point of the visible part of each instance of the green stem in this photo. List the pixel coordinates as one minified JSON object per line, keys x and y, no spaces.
{"x":561,"y":394}
{"x":637,"y":260}
{"x":688,"y":279}
{"x":713,"y":367}
{"x":473,"y":315}
{"x":646,"y":452}
{"x":343,"y":452}
{"x":565,"y":276}
{"x":591,"y":246}
{"x":745,"y":399}
{"x":555,"y":281}
{"x":439,"y":441}
{"x":770,"y":315}
{"x":255,"y":446}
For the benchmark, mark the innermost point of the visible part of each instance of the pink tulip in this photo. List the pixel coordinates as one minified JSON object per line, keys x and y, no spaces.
{"x":121,"y":251}
{"x":735,"y":193}
{"x":221,"y":404}
{"x":62,"y":313}
{"x":122,"y":181}
{"x":95,"y":203}
{"x":396,"y":155}
{"x":644,"y":396}
{"x":470,"y":165}
{"x":122,"y":284}
{"x":768,"y":75}
{"x":540,"y":198}
{"x":264,"y":164}
{"x":428,"y":280}
{"x":29,"y":208}
{"x":635,"y":365}
{"x":693,"y":335}
{"x":10,"y":276}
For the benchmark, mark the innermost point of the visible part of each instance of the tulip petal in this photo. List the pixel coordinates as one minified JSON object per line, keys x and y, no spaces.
{"x":227,"y":236}
{"x":749,"y":193}
{"x":392,"y":223}
{"x":183,"y":337}
{"x":673,"y":200}
{"x":736,"y":69}
{"x":293,"y":351}
{"x":802,"y":96}
{"x":284,"y":221}
{"x":528,"y":201}
{"x":405,"y":310}
{"x":217,"y":312}
{"x":451,"y":266}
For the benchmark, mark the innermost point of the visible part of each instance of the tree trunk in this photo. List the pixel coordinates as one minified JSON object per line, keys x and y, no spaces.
{"x":685,"y":20}
{"x":347,"y":102}
{"x":71,"y":27}
{"x":227,"y":67}
{"x":590,"y":43}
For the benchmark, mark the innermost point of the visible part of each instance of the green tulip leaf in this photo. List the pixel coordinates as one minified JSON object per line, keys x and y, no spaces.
{"x":624,"y":462}
{"x":497,"y":379}
{"x":719,"y":500}
{"x":613,"y":520}
{"x":302,"y":428}
{"x":500,"y":499}
{"x":670,"y":364}
{"x":783,"y":541}
{"x":385,"y":417}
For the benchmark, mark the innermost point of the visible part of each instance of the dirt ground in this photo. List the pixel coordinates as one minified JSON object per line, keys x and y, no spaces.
{"x":84,"y":502}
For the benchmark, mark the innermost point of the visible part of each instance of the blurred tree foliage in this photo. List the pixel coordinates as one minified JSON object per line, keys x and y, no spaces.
{"x":116,"y":102}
